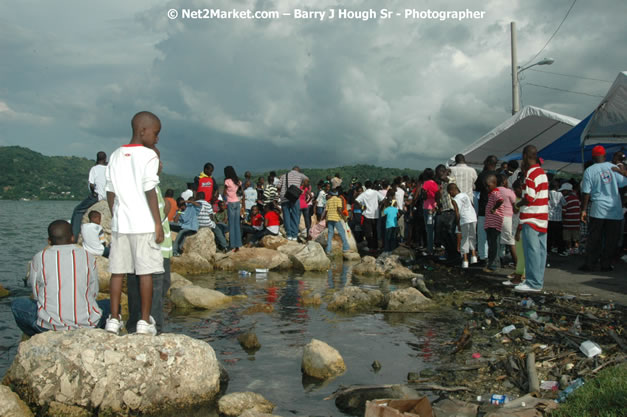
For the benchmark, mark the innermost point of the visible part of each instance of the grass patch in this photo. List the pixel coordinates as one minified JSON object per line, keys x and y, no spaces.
{"x":603,"y":396}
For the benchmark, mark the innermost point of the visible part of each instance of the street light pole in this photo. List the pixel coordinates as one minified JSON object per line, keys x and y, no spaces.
{"x":515,"y":98}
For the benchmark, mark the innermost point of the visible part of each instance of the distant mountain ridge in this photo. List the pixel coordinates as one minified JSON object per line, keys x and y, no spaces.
{"x":30,"y":175}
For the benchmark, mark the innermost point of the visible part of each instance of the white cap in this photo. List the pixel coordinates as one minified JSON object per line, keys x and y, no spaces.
{"x":566,"y":187}
{"x":187,"y":194}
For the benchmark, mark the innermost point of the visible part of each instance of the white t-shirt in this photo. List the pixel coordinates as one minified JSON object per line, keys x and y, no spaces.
{"x":132,"y":171}
{"x":93,"y":238}
{"x":370,"y":199}
{"x":98,"y":178}
{"x":400,"y":198}
{"x":466,"y":210}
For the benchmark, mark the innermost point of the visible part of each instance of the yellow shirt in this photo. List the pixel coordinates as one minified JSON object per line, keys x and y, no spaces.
{"x":334,"y":206}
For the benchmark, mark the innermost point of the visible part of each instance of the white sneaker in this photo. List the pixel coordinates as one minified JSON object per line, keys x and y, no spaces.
{"x":473,"y":260}
{"x":526,"y":288}
{"x":465,"y":264}
{"x":114,"y":325}
{"x":145,"y":328}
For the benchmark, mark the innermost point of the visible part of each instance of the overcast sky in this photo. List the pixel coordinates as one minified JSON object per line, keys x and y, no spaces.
{"x":260,"y":94}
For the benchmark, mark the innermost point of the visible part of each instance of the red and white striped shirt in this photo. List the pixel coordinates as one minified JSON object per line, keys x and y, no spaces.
{"x":536,"y":193}
{"x":494,"y":220}
{"x":65,"y":284}
{"x":572,"y":212}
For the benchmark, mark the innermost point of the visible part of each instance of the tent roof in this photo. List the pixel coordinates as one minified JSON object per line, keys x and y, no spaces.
{"x":530,"y":126}
{"x":609,"y":120}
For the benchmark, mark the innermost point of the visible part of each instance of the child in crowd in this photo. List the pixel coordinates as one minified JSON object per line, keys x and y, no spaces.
{"x":519,"y":275}
{"x":554,"y":234}
{"x":204,"y":183}
{"x":170,"y":204}
{"x":571,"y":214}
{"x":507,"y":232}
{"x":254,"y":225}
{"x":137,"y":231}
{"x":250,"y":197}
{"x":391,"y":214}
{"x":334,"y":214}
{"x":493,"y":223}
{"x":189,"y":225}
{"x":321,"y":199}
{"x":272,"y":223}
{"x":466,"y":223}
{"x":93,"y":235}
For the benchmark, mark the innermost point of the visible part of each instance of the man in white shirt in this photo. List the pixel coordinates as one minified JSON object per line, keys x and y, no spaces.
{"x":370,"y":199}
{"x":96,"y":184}
{"x":465,"y":176}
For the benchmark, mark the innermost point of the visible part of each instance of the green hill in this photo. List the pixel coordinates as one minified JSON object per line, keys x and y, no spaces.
{"x":29,"y":174}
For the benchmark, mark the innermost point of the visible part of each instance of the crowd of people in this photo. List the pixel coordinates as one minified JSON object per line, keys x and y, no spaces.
{"x":507,"y":215}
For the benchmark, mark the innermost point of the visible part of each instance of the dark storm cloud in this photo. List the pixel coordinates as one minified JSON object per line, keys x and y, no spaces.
{"x":268,"y":94}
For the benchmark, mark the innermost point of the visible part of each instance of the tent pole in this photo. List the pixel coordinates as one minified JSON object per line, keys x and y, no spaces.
{"x":515,"y":99}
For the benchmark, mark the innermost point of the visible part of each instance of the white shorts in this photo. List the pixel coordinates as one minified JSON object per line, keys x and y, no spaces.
{"x":135,"y":253}
{"x":469,"y":237}
{"x":507,"y":235}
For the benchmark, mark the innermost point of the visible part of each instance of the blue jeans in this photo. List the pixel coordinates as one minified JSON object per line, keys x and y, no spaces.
{"x":25,"y":313}
{"x":390,"y":241}
{"x":160,"y":286}
{"x":218,"y":232}
{"x":291,"y":218}
{"x":340,"y":231}
{"x":430,"y":228}
{"x":305,"y":213}
{"x":534,"y":246}
{"x":79,"y":212}
{"x":482,"y":238}
{"x":235,"y":232}
{"x":177,"y":246}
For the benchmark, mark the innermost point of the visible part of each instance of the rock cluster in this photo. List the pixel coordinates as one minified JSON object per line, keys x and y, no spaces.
{"x":93,"y":369}
{"x":353,"y":299}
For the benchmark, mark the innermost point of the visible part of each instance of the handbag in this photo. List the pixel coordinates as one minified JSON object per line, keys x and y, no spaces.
{"x":292,"y":194}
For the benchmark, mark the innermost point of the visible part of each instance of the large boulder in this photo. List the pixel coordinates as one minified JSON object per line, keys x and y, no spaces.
{"x":177,"y":281}
{"x":250,"y":259}
{"x":192,"y":296}
{"x":273,"y":242}
{"x":336,"y":244}
{"x":321,"y":361}
{"x":11,"y":405}
{"x":290,"y":248}
{"x":408,"y":299}
{"x":368,"y":266}
{"x":94,"y":369}
{"x":353,"y":299}
{"x":233,"y":405}
{"x":199,"y":252}
{"x":310,"y":258}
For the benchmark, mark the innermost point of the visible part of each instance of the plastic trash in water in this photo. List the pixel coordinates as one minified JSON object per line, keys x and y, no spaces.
{"x":576,"y":328}
{"x":261,"y":270}
{"x":508,"y":329}
{"x":243,"y":273}
{"x":489,"y":313}
{"x":498,"y":399}
{"x":476,"y":355}
{"x":527,"y":303}
{"x":569,"y":390}
{"x":590,"y":349}
{"x":526,"y":334}
{"x":609,"y":306}
{"x":549,"y":385}
{"x":468,"y":310}
{"x":531,"y":315}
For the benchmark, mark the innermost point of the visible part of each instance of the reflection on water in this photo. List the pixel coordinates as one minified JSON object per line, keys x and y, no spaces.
{"x":400,"y":342}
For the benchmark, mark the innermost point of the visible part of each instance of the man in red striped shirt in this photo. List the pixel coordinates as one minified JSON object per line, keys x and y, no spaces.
{"x":65,"y":285}
{"x":534,"y":220}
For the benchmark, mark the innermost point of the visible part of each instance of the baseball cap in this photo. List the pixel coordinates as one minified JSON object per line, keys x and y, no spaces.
{"x":598,"y":150}
{"x":566,"y":187}
{"x":187,"y":194}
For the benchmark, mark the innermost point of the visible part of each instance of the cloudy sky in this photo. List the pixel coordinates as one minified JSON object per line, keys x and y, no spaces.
{"x":260,"y":94}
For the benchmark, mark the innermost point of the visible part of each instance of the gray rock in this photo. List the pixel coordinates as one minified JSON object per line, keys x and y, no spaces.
{"x":408,"y":299}
{"x":321,"y":361}
{"x":353,"y":299}
{"x":368,"y":266}
{"x":310,"y":258}
{"x":249,"y":341}
{"x":93,"y":369}
{"x":63,"y":410}
{"x":193,"y":296}
{"x":253,"y":413}
{"x":199,"y":253}
{"x":351,"y":256}
{"x":11,"y":405}
{"x":250,"y":259}
{"x":235,"y":404}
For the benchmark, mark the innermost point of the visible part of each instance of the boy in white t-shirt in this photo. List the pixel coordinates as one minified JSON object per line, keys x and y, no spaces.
{"x":136,"y":230}
{"x":93,"y":235}
{"x":466,"y":222}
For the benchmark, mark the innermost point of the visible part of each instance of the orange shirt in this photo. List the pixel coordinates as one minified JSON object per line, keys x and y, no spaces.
{"x":173,"y":208}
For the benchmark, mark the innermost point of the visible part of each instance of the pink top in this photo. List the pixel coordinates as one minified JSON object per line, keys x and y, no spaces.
{"x":230,"y":189}
{"x":303,"y":197}
{"x":509,"y":199}
{"x":431,"y":187}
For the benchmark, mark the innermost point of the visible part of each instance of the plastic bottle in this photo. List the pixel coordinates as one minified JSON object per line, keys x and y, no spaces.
{"x":468,"y":310}
{"x":527,"y":302}
{"x":498,"y":399}
{"x":243,"y":273}
{"x":576,"y":328}
{"x":569,"y":390}
{"x":489,"y":313}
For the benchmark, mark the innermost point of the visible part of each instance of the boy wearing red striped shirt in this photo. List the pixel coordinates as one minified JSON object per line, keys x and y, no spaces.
{"x":494,"y":216}
{"x":534,"y":220}
{"x":64,"y":281}
{"x":570,"y":218}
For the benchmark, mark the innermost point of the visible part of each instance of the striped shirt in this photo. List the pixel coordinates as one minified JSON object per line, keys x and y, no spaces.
{"x":572,"y":212}
{"x":293,"y":178}
{"x":204,"y":215}
{"x":536,"y":193}
{"x":166,"y":245}
{"x":494,"y":220}
{"x":334,"y":206}
{"x":466,"y":177}
{"x":64,"y":281}
{"x":270,"y":194}
{"x":445,"y":198}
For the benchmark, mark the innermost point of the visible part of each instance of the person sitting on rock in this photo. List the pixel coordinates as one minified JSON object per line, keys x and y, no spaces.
{"x":93,"y":235}
{"x":272,"y":223}
{"x":64,"y":281}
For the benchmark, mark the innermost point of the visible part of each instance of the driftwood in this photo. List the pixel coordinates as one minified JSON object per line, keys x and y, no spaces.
{"x":532,"y":374}
{"x":619,"y":341}
{"x":454,"y":368}
{"x":436,"y":387}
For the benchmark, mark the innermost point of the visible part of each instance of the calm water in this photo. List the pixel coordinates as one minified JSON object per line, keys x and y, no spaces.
{"x":401,"y":343}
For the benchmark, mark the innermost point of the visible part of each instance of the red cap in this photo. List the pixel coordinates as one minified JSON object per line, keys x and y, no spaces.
{"x":598,"y":150}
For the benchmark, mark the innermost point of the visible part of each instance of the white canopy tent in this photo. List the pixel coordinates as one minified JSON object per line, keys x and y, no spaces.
{"x":530,"y":126}
{"x":609,"y":120}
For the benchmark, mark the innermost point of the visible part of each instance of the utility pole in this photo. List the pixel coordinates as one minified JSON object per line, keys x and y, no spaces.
{"x":515,"y":99}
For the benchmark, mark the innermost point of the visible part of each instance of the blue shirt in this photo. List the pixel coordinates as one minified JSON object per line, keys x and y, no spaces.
{"x":189,"y":218}
{"x":391,"y":217}
{"x":602,"y":184}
